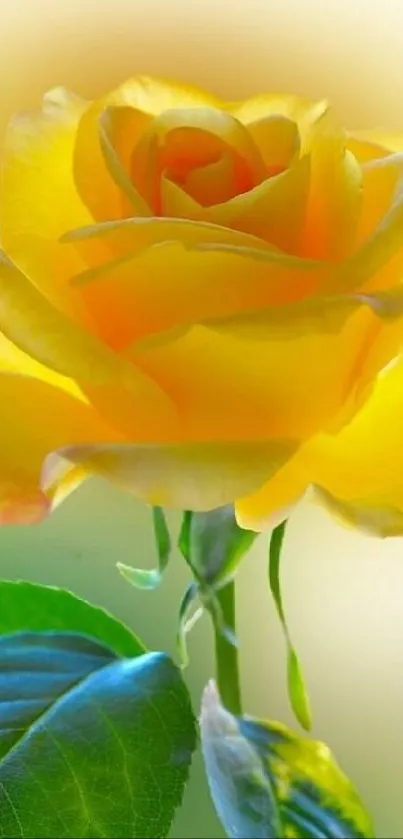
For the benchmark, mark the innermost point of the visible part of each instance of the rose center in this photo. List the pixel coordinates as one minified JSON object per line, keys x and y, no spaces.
{"x":205,"y":153}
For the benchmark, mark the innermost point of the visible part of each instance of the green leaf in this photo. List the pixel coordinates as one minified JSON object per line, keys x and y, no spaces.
{"x":186,"y":621}
{"x":145,"y":579}
{"x":27,"y":606}
{"x":267,"y":783}
{"x":91,"y":745}
{"x":213,"y":544}
{"x":297,"y":691}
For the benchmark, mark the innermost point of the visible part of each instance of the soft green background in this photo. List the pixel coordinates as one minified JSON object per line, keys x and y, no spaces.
{"x":343,"y":593}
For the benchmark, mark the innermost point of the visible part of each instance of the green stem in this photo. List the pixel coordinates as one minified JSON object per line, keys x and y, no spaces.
{"x":226,"y":654}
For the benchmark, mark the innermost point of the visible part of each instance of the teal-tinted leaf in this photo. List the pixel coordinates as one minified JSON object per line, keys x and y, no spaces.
{"x":297,"y":692}
{"x":213,"y":544}
{"x":91,"y":745}
{"x":26,"y":606}
{"x":267,"y":783}
{"x":149,"y":579}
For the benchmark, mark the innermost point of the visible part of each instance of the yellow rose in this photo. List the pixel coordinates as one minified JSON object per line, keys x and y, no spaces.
{"x":196,"y":297}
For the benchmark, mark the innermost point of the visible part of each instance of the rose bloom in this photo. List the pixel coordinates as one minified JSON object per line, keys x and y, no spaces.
{"x":200,"y":301}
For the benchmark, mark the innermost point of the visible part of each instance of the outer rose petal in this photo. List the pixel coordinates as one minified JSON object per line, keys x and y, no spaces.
{"x":286,"y":371}
{"x":36,"y":419}
{"x":200,"y":476}
{"x":38,"y":197}
{"x":358,"y":473}
{"x":273,"y":502}
{"x":365,"y":150}
{"x":105,"y":139}
{"x":380,"y":180}
{"x":177,"y":283}
{"x":124,"y":393}
{"x":377,"y":263}
{"x":391,"y":142}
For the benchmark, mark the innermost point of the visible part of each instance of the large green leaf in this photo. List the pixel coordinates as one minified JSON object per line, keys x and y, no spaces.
{"x":91,"y":745}
{"x":267,"y":783}
{"x":26,"y":606}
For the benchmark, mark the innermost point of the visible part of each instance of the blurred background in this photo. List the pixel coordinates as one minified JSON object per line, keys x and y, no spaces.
{"x":343,"y":591}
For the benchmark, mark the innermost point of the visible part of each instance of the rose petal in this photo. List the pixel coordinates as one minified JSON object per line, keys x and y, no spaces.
{"x":357,"y":473}
{"x":377,"y":262}
{"x":50,"y":337}
{"x":37,"y":171}
{"x":133,"y":105}
{"x":106,"y":136}
{"x":277,"y":139}
{"x":274,"y":502}
{"x":383,"y":139}
{"x":365,"y":150}
{"x":380,"y":181}
{"x":135,"y":234}
{"x":200,"y":476}
{"x":176,"y":203}
{"x":181,"y":141}
{"x":283,"y":372}
{"x":264,"y":105}
{"x":169,"y":285}
{"x":336,"y":192}
{"x":274,"y":210}
{"x":36,"y":418}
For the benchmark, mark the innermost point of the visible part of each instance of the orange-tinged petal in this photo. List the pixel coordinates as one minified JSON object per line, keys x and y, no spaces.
{"x":135,"y":234}
{"x":169,"y":285}
{"x":216,"y":182}
{"x":380,"y":180}
{"x":282,"y":372}
{"x":176,"y":203}
{"x":177,"y":142}
{"x":36,"y":419}
{"x":274,"y":210}
{"x":336,"y":192}
{"x":197,"y":477}
{"x":38,"y":198}
{"x":278,"y":141}
{"x":123,"y":392}
{"x":97,"y":158}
